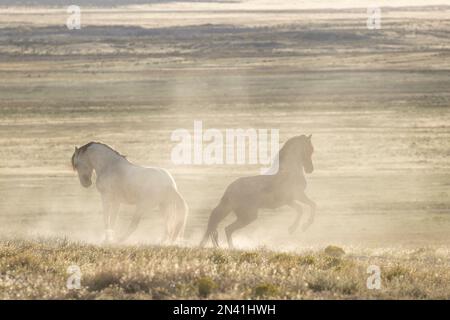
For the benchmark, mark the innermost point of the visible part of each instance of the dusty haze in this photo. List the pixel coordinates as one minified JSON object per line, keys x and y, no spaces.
{"x":376,"y":102}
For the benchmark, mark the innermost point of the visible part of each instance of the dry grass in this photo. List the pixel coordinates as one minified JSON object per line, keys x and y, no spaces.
{"x":376,"y":102}
{"x":38,"y":270}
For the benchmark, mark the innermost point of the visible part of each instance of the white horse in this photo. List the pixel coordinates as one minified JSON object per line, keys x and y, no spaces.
{"x":120,"y":181}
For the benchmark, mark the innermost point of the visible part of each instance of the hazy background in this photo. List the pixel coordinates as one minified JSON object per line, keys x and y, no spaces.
{"x":376,"y":102}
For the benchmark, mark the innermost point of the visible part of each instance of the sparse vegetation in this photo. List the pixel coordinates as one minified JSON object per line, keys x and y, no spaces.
{"x":38,"y":269}
{"x":334,"y":251}
{"x":265,"y":290}
{"x":205,"y":286}
{"x":376,"y":102}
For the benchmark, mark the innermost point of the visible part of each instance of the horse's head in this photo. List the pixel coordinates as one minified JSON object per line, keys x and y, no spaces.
{"x":306,"y":154}
{"x":81,"y":163}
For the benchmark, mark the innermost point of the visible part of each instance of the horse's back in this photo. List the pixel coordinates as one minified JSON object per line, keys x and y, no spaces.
{"x":154,"y":175}
{"x":262,"y":191}
{"x":136,"y":184}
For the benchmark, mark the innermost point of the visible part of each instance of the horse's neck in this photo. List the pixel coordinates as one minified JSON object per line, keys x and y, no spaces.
{"x":290,"y":167}
{"x":102,"y":157}
{"x":289,"y":163}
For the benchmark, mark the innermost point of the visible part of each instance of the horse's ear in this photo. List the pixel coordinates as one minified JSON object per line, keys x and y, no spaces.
{"x":76,"y":149}
{"x":309,"y":137}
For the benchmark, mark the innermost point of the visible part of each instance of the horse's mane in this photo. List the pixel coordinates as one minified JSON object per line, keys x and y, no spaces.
{"x":87,"y":145}
{"x":283,"y":154}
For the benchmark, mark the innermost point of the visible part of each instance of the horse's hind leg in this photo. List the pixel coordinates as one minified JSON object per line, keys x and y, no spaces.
{"x":178,"y":230}
{"x":166,"y":211}
{"x":175,"y":209}
{"x":244,"y":218}
{"x":217,"y":215}
{"x":299,"y":210}
{"x":304,"y":199}
{"x":174,"y":224}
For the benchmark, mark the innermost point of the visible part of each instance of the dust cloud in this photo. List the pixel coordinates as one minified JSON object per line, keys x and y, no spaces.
{"x":376,"y":103}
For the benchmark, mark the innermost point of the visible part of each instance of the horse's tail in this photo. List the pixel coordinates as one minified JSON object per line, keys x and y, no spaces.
{"x":217,"y":215}
{"x":179,"y":214}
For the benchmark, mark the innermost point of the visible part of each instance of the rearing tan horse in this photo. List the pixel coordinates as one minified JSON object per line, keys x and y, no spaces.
{"x":245,"y":196}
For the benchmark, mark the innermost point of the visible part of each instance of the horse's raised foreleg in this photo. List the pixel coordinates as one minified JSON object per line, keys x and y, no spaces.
{"x":299,"y":210}
{"x":110,"y":210}
{"x":304,"y":199}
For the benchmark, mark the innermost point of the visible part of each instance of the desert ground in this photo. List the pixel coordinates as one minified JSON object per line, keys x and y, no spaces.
{"x":376,"y":102}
